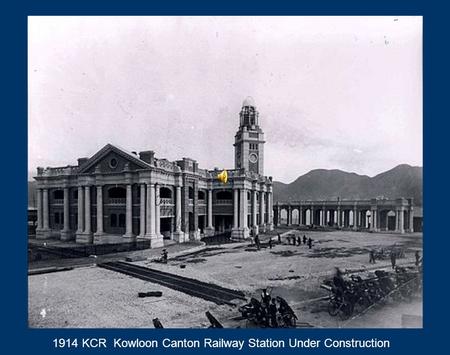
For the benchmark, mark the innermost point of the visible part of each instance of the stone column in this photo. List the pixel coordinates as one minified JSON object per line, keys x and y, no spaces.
{"x":311,"y":215}
{"x":262,"y":209}
{"x":129,"y":214}
{"x":178,"y":235}
{"x":142,"y":211}
{"x":65,"y":233}
{"x":355,"y":218}
{"x":158,"y":211}
{"x":254,"y":213}
{"x":40,"y":222}
{"x":373,"y":219}
{"x":289,"y":216}
{"x":402,"y":220}
{"x":209,"y":230}
{"x":411,"y":220}
{"x":40,"y":233}
{"x":339,"y":217}
{"x":87,"y":215}
{"x":150,"y":231}
{"x":45,"y":209}
{"x":156,"y":241}
{"x":236,"y":208}
{"x":270,"y":209}
{"x":210,"y":209}
{"x":300,"y":216}
{"x":80,"y":229}
{"x":99,"y":231}
{"x":244,"y":212}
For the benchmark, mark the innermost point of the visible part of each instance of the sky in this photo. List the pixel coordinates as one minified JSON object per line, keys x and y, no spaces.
{"x":332,"y":92}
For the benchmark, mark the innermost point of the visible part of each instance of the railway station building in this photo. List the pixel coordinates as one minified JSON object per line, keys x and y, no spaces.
{"x":120,"y":196}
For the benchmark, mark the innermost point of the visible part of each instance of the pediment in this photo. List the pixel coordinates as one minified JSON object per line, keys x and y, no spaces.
{"x":112,"y":159}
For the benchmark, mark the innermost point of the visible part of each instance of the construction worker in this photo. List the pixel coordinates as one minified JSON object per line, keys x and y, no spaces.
{"x":270,"y":243}
{"x":279,"y":238}
{"x":417,"y":255}
{"x":309,"y":243}
{"x":393,"y":259}
{"x":299,"y":241}
{"x":273,"y":313}
{"x":304,"y":239}
{"x":257,"y":242}
{"x":164,"y":256}
{"x":372,"y":256}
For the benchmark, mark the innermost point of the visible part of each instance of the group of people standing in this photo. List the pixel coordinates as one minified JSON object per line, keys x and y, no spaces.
{"x":291,"y":240}
{"x":297,"y":240}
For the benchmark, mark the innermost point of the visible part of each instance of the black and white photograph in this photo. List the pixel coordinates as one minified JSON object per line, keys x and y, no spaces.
{"x":225,"y":172}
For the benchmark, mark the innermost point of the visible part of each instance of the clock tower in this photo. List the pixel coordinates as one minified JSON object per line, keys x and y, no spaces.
{"x":249,"y":140}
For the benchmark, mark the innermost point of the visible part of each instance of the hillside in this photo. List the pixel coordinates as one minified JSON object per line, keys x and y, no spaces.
{"x":401,"y":181}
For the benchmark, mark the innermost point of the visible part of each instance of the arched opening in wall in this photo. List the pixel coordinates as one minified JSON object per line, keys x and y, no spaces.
{"x":117,"y":192}
{"x":224,"y":195}
{"x":249,"y":196}
{"x":295,"y":216}
{"x":308,"y":219}
{"x":390,"y":220}
{"x":283,"y":216}
{"x":166,"y":227}
{"x":165,"y":192}
{"x":58,"y":194}
{"x":351,"y":217}
{"x":368,"y":218}
{"x":201,"y":195}
{"x":201,"y":223}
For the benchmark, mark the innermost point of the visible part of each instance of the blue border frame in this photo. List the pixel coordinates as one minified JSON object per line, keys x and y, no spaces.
{"x":17,"y":338}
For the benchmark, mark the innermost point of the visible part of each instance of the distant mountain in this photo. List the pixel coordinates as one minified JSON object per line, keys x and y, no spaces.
{"x":402,"y":181}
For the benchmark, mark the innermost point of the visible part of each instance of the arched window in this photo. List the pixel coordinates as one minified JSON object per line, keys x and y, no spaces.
{"x":165,"y":192}
{"x":224,"y":195}
{"x":201,"y":195}
{"x":117,"y":192}
{"x":58,"y":194}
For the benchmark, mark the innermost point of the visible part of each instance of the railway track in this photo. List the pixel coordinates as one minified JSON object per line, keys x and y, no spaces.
{"x":196,"y":288}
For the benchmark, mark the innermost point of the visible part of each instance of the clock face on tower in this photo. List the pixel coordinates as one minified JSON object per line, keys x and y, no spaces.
{"x":253,"y":158}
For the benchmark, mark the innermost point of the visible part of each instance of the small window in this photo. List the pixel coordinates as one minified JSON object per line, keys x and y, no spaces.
{"x":201,"y":195}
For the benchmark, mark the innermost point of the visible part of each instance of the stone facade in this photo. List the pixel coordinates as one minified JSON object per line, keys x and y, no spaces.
{"x":121,"y":196}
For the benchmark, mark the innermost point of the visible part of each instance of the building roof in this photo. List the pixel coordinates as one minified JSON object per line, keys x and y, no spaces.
{"x":249,"y":101}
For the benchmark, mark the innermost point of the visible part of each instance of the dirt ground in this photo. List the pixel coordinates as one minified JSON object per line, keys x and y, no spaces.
{"x":95,"y":297}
